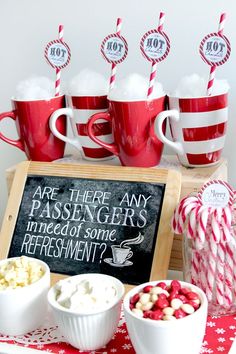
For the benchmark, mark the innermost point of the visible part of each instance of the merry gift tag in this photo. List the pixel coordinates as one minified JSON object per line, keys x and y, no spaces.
{"x":216,"y":193}
{"x":57,"y":54}
{"x":114,"y":48}
{"x":155,"y":46}
{"x":215,"y":49}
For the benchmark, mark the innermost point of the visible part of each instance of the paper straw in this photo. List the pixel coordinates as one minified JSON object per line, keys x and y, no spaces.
{"x":113,"y":66}
{"x":213,"y":68}
{"x":58,"y":71}
{"x":154,"y":65}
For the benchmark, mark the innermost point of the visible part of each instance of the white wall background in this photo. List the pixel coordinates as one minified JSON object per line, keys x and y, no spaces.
{"x":27,"y":25}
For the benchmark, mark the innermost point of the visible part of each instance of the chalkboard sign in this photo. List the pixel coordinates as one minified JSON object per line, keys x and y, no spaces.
{"x":93,"y":219}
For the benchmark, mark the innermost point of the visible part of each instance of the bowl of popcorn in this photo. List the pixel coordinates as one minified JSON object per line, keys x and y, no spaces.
{"x":24,"y":284}
{"x":166,"y":317}
{"x":86,"y":308}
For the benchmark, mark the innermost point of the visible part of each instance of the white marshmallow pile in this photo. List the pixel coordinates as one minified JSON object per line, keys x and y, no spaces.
{"x":133,"y":88}
{"x":88,"y":83}
{"x":19,"y":272}
{"x":196,"y":86}
{"x":35,"y":88}
{"x":85,"y":295}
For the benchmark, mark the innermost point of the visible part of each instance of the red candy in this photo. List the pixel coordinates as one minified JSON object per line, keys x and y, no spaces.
{"x":161,"y":303}
{"x":192,"y":296}
{"x":179,"y":314}
{"x":184,"y":291}
{"x":156,"y":315}
{"x":175,"y":284}
{"x":162,"y":285}
{"x":182,"y":298}
{"x":147,"y":288}
{"x":194,"y":304}
{"x":151,"y":304}
{"x":134,"y":298}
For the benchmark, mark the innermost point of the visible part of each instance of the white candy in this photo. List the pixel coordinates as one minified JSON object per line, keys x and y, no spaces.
{"x":168,"y":311}
{"x":145,"y":298}
{"x":187,"y":308}
{"x":138,"y":305}
{"x":158,"y":290}
{"x":176,"y":304}
{"x":147,"y":306}
{"x":137,"y":312}
{"x":154,"y":297}
{"x":169,"y":318}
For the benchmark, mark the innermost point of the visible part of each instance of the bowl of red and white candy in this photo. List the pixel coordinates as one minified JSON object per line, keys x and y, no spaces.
{"x":166,"y":317}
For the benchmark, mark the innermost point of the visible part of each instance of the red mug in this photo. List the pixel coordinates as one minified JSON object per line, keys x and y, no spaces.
{"x":198,"y":127}
{"x":32,"y":124}
{"x":135,"y":141}
{"x":79,"y":110}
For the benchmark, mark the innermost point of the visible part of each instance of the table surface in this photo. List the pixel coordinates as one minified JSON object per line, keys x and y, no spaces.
{"x":220,"y":333}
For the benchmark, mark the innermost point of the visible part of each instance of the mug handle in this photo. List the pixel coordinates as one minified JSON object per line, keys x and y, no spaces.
{"x":130,"y":254}
{"x":53,"y":126}
{"x":17,"y":143}
{"x":106,"y":116}
{"x":174,"y":114}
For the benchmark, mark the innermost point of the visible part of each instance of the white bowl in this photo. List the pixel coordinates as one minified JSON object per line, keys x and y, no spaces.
{"x":23,"y":310}
{"x":89,"y":330}
{"x":183,"y":335}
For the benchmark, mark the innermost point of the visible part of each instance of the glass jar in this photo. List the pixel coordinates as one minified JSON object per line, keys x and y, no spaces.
{"x":212,"y":267}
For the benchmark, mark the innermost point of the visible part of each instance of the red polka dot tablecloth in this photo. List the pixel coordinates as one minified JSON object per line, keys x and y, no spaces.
{"x":220,"y":333}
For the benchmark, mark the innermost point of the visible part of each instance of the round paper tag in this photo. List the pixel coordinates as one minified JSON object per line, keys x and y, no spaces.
{"x":215,"y":49}
{"x":114,"y":48}
{"x":57,"y":54}
{"x":155,"y":46}
{"x":216,"y":194}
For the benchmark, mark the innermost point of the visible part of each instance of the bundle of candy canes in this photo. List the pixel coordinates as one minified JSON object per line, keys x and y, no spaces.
{"x":212,"y":252}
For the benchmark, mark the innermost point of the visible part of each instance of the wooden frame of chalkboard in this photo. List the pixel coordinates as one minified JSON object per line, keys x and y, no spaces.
{"x":88,"y":218}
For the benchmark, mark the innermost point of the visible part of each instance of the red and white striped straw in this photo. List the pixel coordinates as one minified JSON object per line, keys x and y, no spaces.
{"x":154,"y":65}
{"x":113,"y":66}
{"x":58,"y":71}
{"x":213,"y":68}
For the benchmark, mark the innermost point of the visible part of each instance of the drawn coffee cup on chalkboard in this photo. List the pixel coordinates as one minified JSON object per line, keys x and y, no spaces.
{"x":122,"y":253}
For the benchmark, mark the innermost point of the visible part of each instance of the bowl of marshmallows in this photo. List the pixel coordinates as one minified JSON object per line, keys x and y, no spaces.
{"x":86,"y":308}
{"x":24,"y":284}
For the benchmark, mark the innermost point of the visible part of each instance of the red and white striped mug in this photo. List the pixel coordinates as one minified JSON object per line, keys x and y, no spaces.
{"x":79,"y":110}
{"x":198,"y":128}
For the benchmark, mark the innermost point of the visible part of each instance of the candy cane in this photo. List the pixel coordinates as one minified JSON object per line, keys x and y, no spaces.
{"x":187,"y":207}
{"x":203,"y":214}
{"x":229,"y":255}
{"x":191,"y":232}
{"x":232,"y":252}
{"x":221,"y":249}
{"x":213,"y":238}
{"x":229,"y":273}
{"x":226,"y":223}
{"x":180,"y":214}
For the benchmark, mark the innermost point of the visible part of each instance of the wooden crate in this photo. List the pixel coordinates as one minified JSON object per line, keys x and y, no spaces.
{"x":192,"y":181}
